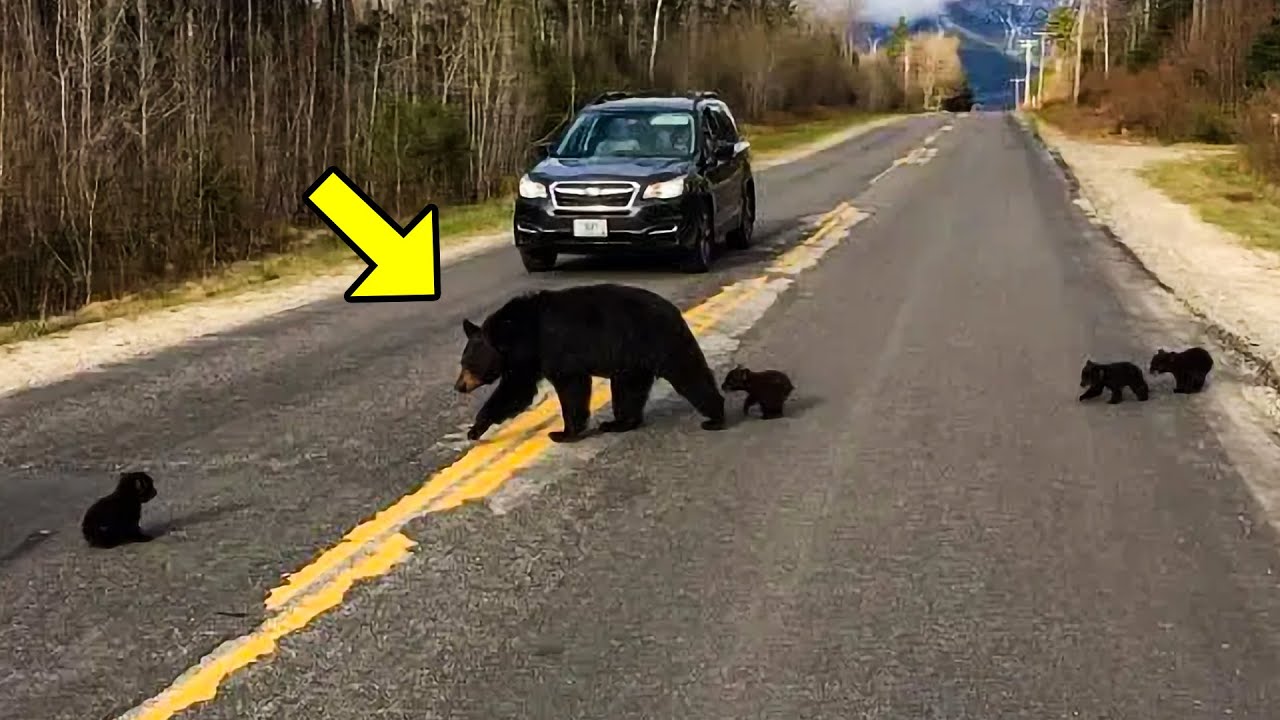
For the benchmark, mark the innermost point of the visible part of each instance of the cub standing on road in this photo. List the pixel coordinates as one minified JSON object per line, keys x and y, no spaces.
{"x":768,"y":388}
{"x":1190,"y":368}
{"x":647,"y":174}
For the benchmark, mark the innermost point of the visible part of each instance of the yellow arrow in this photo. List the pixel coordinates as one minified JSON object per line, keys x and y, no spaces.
{"x":404,"y":263}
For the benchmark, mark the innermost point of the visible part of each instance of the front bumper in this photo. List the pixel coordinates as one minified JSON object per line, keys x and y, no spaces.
{"x":648,"y":226}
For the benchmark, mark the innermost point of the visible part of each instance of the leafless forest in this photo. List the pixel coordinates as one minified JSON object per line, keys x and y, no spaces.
{"x":1206,"y":70}
{"x":144,"y":141}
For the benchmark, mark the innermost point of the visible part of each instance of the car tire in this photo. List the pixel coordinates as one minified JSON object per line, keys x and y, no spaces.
{"x":740,"y":238}
{"x":538,"y":260}
{"x":698,"y":257}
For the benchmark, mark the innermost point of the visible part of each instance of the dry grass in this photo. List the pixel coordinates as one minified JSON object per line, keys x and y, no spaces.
{"x":316,"y":252}
{"x":1224,"y":193}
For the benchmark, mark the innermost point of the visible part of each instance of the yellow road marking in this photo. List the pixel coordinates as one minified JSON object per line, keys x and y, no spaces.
{"x":841,"y":220}
{"x":201,"y":685}
{"x":493,"y":451}
{"x":378,"y":544}
{"x":486,"y":481}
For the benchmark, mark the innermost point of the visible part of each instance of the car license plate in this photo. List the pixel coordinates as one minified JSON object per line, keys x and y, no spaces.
{"x":590,"y":228}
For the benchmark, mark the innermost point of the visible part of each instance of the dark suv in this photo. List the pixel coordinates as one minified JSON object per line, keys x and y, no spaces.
{"x":639,"y":173}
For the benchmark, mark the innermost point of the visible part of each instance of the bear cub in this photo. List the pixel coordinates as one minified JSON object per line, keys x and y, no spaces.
{"x":113,"y":519}
{"x":1115,"y":377}
{"x":1189,"y":368}
{"x":768,"y":388}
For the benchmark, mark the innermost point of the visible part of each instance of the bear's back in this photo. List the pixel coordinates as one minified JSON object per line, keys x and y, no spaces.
{"x":599,"y":328}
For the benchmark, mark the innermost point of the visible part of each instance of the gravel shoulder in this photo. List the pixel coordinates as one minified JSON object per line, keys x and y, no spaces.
{"x":1234,"y":287}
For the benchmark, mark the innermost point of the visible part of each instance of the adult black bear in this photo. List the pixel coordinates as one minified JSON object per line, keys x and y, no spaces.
{"x":627,"y":334}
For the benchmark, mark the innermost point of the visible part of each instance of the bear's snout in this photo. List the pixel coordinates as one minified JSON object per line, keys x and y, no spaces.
{"x":466,"y":382}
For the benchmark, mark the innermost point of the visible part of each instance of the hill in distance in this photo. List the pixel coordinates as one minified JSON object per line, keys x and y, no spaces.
{"x":989,"y":31}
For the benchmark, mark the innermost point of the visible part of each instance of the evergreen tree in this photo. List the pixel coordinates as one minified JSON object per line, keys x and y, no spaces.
{"x":898,"y":40}
{"x":1263,"y":62}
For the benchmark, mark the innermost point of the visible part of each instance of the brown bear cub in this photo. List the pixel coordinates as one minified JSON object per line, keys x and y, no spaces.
{"x":1114,"y":377}
{"x":769,"y":389}
{"x":1189,"y":368}
{"x":113,"y":519}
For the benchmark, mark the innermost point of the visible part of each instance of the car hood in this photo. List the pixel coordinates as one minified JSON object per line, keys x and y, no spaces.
{"x":554,"y":169}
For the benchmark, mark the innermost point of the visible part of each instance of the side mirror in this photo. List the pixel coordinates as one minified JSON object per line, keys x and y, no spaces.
{"x":542,"y":150}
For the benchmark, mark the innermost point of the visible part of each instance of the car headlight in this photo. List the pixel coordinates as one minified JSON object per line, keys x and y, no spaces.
{"x":666,"y":189}
{"x":531,"y":189}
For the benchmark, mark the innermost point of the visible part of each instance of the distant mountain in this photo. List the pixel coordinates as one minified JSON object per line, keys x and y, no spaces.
{"x":989,"y":31}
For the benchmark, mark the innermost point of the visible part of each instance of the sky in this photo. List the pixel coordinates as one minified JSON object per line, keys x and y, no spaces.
{"x":885,"y":12}
{"x":888,"y":11}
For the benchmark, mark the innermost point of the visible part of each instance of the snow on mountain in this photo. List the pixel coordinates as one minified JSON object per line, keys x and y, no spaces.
{"x":989,"y":31}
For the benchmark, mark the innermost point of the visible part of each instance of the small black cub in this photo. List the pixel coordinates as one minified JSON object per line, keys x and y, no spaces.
{"x":769,"y":389}
{"x":113,"y":520}
{"x":1114,"y":377}
{"x":1189,"y":368}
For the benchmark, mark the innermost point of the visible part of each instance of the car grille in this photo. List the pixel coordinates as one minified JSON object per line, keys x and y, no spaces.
{"x":594,"y":196}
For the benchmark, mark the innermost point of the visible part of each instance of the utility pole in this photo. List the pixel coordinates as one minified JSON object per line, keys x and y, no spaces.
{"x":1040,"y":83}
{"x":1016,"y":91}
{"x":1026,"y":87}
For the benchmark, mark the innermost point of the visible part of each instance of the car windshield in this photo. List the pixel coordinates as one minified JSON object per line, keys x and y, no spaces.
{"x":629,"y":134}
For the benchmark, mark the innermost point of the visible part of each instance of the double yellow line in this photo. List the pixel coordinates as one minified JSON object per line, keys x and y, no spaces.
{"x":376,"y":546}
{"x":841,"y":217}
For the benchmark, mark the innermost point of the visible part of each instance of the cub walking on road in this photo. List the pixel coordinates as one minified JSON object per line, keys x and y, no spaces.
{"x":768,"y":388}
{"x":113,"y":520}
{"x":1114,"y":377}
{"x":1189,"y":368}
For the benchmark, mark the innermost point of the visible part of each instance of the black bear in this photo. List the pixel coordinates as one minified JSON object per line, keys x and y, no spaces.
{"x":1189,"y":368}
{"x":768,"y":388}
{"x":627,"y":334}
{"x":1114,"y":377}
{"x":113,"y":519}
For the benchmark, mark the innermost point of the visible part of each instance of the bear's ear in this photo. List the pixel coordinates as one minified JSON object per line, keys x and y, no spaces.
{"x":470,"y":328}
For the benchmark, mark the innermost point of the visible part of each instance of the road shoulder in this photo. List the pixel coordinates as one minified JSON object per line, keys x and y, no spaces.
{"x":1233,"y":288}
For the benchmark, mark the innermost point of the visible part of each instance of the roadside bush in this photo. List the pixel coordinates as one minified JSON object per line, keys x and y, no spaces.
{"x":1259,"y":130}
{"x":1165,"y":102}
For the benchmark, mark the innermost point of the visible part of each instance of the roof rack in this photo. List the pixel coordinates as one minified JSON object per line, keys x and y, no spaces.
{"x":610,"y":96}
{"x":613,"y":95}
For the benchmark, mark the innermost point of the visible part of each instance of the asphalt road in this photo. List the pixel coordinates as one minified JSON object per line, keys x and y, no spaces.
{"x":939,"y":529}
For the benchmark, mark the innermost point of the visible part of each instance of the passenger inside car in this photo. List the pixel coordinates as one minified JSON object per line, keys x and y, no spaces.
{"x":618,"y":139}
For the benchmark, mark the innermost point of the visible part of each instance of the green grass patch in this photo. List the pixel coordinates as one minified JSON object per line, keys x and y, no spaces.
{"x":1223,"y":192}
